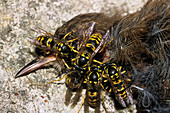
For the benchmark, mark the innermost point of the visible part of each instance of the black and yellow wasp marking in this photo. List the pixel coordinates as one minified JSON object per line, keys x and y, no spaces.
{"x":93,"y":89}
{"x":65,"y":48}
{"x":45,"y":41}
{"x":114,"y":83}
{"x":81,"y":63}
{"x":93,"y":42}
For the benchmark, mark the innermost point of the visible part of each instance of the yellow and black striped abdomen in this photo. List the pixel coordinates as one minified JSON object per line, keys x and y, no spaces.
{"x":120,"y":88}
{"x":93,"y":42}
{"x":46,"y":41}
{"x":92,"y":98}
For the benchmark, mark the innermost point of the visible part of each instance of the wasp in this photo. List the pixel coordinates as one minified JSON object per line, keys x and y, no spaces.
{"x":114,"y":83}
{"x":93,"y":89}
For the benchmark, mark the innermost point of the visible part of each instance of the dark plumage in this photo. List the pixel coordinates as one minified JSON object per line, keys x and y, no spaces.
{"x":141,"y":44}
{"x":84,"y":21}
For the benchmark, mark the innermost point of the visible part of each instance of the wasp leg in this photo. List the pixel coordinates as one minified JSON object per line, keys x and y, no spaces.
{"x":60,"y":78}
{"x":86,"y":104}
{"x":104,"y":103}
{"x":58,"y":59}
{"x":35,"y":64}
{"x":84,"y":97}
{"x":103,"y":88}
{"x":72,"y":40}
{"x":68,"y":34}
{"x":97,"y":61}
{"x":66,"y":64}
{"x":110,"y":41}
{"x":56,"y":80}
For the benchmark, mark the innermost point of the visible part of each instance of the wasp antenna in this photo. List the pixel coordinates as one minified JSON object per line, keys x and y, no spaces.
{"x":31,"y":40}
{"x":35,"y":42}
{"x":33,"y":29}
{"x":41,"y":31}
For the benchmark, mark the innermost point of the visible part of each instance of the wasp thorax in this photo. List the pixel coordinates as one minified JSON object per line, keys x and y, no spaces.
{"x":93,"y":77}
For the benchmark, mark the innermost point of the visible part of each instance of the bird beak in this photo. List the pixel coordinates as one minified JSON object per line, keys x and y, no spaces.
{"x":35,"y":64}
